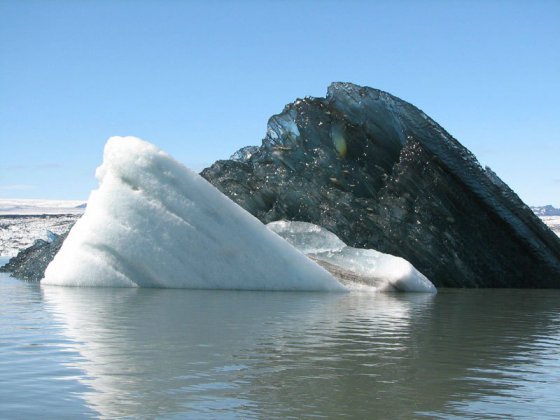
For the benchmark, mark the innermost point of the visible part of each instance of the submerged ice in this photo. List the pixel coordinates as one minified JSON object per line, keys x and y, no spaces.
{"x":354,"y":267}
{"x":154,"y":223}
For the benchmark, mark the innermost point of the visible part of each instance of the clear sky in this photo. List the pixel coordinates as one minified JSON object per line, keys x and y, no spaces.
{"x":201,"y":78}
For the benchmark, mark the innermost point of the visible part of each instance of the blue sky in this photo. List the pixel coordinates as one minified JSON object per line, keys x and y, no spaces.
{"x":200,"y":79}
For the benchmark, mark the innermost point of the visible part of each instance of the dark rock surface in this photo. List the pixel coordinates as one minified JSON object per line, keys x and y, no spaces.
{"x":379,"y":173}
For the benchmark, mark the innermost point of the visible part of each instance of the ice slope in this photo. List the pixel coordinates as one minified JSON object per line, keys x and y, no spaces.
{"x":355,"y":267}
{"x":155,"y":223}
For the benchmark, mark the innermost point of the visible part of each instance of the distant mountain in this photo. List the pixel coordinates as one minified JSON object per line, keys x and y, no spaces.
{"x":546,"y":211}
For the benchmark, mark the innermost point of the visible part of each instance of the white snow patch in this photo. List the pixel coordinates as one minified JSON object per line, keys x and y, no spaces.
{"x":371,"y":268}
{"x":155,"y":223}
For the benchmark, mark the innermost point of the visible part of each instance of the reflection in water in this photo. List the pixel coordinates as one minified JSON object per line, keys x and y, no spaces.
{"x":254,"y":354}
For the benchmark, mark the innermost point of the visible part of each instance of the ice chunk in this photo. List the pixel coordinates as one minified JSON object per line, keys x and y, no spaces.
{"x":155,"y":223}
{"x":355,"y":267}
{"x":307,"y":237}
{"x":51,"y":236}
{"x":244,"y":154}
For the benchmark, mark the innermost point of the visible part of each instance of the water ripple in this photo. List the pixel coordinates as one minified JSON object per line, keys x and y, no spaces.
{"x":165,"y":353}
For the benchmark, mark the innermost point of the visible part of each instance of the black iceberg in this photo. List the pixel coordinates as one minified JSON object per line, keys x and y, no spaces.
{"x":381,"y":174}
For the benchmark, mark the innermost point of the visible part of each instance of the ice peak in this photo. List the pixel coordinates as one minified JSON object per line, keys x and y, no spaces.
{"x":155,"y":223}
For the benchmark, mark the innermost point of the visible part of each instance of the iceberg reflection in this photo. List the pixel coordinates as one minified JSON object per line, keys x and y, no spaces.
{"x":161,"y":352}
{"x":157,"y":351}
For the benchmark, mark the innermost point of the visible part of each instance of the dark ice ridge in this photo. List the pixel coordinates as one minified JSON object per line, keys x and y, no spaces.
{"x":379,"y":173}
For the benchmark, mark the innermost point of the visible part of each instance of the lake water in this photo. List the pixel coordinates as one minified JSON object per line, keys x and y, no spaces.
{"x":77,"y":352}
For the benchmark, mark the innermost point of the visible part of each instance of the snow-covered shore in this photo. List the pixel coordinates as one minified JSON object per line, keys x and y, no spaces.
{"x":553,"y":222}
{"x":20,"y":207}
{"x":18,"y":232}
{"x":23,"y":221}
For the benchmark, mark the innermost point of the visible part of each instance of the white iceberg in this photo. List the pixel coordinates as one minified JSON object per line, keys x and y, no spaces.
{"x":356,"y":268}
{"x":155,"y":223}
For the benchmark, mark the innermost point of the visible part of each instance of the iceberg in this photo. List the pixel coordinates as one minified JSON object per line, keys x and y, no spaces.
{"x":379,"y":173}
{"x":355,"y":268}
{"x":154,"y":223}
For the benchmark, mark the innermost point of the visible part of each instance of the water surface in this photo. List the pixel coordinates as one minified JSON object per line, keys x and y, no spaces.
{"x":68,"y":352}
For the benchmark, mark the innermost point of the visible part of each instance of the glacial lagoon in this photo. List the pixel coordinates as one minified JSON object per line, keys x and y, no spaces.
{"x":94,"y":352}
